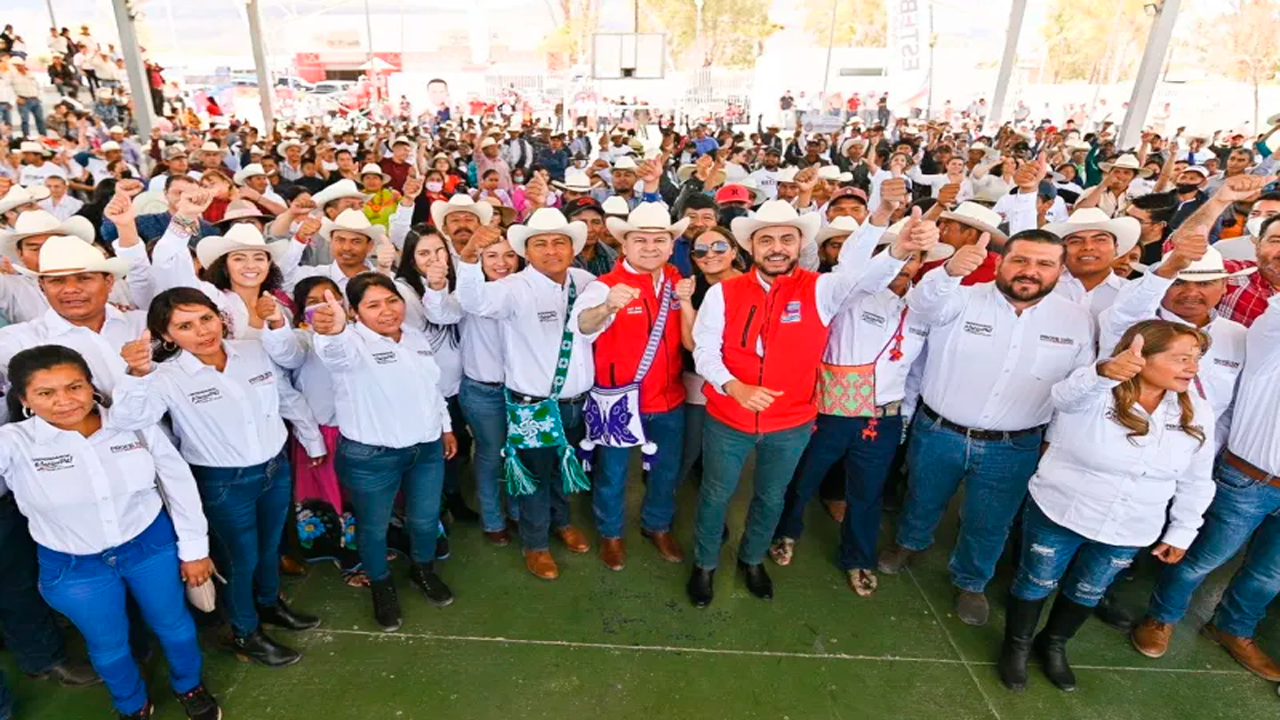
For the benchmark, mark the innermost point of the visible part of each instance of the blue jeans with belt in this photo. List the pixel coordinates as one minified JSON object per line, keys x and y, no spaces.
{"x":547,"y":509}
{"x":1242,"y":508}
{"x":373,"y":475}
{"x":246,"y":509}
{"x":91,"y":589}
{"x":485,"y":410}
{"x":995,"y":474}
{"x":609,"y":489}
{"x":1048,"y":550}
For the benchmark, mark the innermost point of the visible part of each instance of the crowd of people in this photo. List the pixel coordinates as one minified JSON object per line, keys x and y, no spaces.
{"x":235,"y":350}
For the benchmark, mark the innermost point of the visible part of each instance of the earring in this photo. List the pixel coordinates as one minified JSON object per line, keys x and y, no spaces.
{"x":169,"y":346}
{"x":99,"y":398}
{"x":26,"y":412}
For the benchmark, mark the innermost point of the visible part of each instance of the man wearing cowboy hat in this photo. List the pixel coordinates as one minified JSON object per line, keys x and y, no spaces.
{"x":490,"y":158}
{"x":758,"y":341}
{"x":353,"y":240}
{"x":575,"y":184}
{"x":256,"y":188}
{"x":1112,"y":195}
{"x":19,"y":200}
{"x":965,"y":226}
{"x":175,"y":158}
{"x":598,"y":256}
{"x":534,"y":308}
{"x":459,"y":218}
{"x":290,"y":151}
{"x":35,"y":167}
{"x":633,"y":316}
{"x":397,"y":167}
{"x":332,"y":201}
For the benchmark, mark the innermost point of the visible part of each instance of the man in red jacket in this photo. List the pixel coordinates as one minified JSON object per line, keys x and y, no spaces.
{"x":633,"y":316}
{"x":758,"y":341}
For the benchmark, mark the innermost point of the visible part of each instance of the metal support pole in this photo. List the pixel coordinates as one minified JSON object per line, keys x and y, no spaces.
{"x":933,"y":43}
{"x":139,"y":88}
{"x":1144,"y":87}
{"x":53,"y":20}
{"x":1016,"y":12}
{"x":265,"y":90}
{"x":831,"y":39}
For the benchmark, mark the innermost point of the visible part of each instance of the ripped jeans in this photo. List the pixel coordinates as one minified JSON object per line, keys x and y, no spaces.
{"x":1048,"y":550}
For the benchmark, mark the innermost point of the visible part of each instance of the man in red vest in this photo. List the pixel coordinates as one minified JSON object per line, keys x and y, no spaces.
{"x":758,"y":341}
{"x":633,"y":316}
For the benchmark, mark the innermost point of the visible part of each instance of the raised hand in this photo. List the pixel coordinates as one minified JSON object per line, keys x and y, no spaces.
{"x":893,"y":194}
{"x":1027,"y":177}
{"x":137,"y":355}
{"x":330,"y":318}
{"x":1126,"y":364}
{"x":684,"y":289}
{"x":535,"y":191}
{"x":702,"y":168}
{"x":120,"y":209}
{"x":1242,"y":187}
{"x":807,"y":179}
{"x":651,"y":171}
{"x":947,"y":195}
{"x":269,"y":310}
{"x":384,"y":256}
{"x":308,"y":229}
{"x":620,"y":296}
{"x":193,"y":203}
{"x":437,"y":275}
{"x":412,"y":189}
{"x":968,"y":258}
{"x":919,"y":235}
{"x":1189,"y":245}
{"x":129,"y":187}
{"x":302,"y":205}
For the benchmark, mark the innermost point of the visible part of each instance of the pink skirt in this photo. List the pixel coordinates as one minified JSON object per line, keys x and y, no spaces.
{"x":320,"y":482}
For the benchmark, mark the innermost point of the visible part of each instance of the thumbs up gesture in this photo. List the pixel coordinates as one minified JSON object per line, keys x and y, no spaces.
{"x":330,"y":318}
{"x":137,"y":355}
{"x":1126,"y":364}
{"x":437,"y":275}
{"x":919,"y":235}
{"x":968,"y":258}
{"x":269,"y":310}
{"x":684,"y":289}
{"x":385,"y":256}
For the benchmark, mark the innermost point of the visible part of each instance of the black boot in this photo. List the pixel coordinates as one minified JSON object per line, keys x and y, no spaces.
{"x":386,"y":606}
{"x":1021,"y":617}
{"x":258,"y":647}
{"x":1111,"y":612}
{"x":282,"y":616}
{"x":701,"y":587}
{"x":1065,"y":619}
{"x":424,"y":576}
{"x":457,"y":507}
{"x":758,"y":581}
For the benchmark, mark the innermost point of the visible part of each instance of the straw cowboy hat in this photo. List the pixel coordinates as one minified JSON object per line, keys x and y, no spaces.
{"x":774,"y":213}
{"x":39,"y":222}
{"x":614,"y":206}
{"x":976,"y":216}
{"x":986,"y":150}
{"x":843,"y":225}
{"x":372,"y":169}
{"x":1210,"y":267}
{"x":350,"y":221}
{"x":31,"y":147}
{"x":684,"y":172}
{"x":576,"y":181}
{"x":547,"y":221}
{"x":342,"y":189}
{"x":1077,"y":145}
{"x":241,"y":210}
{"x":647,"y":217}
{"x":626,"y":162}
{"x":832,"y":172}
{"x":285,"y":145}
{"x":237,"y":238}
{"x":248,"y":171}
{"x":1124,"y":229}
{"x":460,"y":203}
{"x":1127,"y":161}
{"x":488,"y":142}
{"x":939,"y":251}
{"x":19,"y":196}
{"x":70,"y":255}
{"x":210,"y":147}
{"x":788,"y":174}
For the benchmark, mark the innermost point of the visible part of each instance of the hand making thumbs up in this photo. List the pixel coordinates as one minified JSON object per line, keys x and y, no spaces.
{"x":968,"y":258}
{"x":330,"y":318}
{"x":137,"y":355}
{"x":1126,"y":364}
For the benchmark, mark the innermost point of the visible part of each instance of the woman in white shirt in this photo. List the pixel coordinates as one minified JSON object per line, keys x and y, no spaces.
{"x":1129,"y":463}
{"x":396,"y":432}
{"x":95,"y":495}
{"x":228,"y":403}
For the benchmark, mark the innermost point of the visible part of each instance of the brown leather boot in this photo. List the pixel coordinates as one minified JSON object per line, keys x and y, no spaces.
{"x":836,"y":509}
{"x":501,"y":538}
{"x":573,"y":539}
{"x":291,"y":567}
{"x":1246,"y":652}
{"x":666,"y":544}
{"x":613,"y":552}
{"x":541,"y":564}
{"x":1151,"y":637}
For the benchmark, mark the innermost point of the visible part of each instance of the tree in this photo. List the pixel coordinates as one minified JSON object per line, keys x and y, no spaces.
{"x":859,"y":23}
{"x":1074,"y":30}
{"x":1243,"y":43}
{"x":574,"y":20}
{"x":733,"y":31}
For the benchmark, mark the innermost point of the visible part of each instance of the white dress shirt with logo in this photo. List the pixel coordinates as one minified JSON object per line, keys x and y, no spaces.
{"x":1253,"y":425}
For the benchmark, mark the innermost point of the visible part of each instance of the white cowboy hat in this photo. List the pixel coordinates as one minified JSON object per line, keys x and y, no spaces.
{"x":1127,"y":161}
{"x":615,"y":206}
{"x":982,"y":218}
{"x":342,"y":189}
{"x":626,"y":162}
{"x":576,"y":181}
{"x":832,"y":172}
{"x":1238,"y":248}
{"x":986,"y":150}
{"x":150,"y":203}
{"x":19,"y":196}
{"x":39,"y":222}
{"x":372,"y":169}
{"x":115,"y":130}
{"x":248,"y":171}
{"x":109,"y":146}
{"x":547,"y":221}
{"x":487,"y":142}
{"x":843,"y":225}
{"x":684,"y":172}
{"x":939,"y":251}
{"x":31,"y":147}
{"x":1210,"y":267}
{"x":460,"y":203}
{"x":352,"y":221}
{"x":210,"y":147}
{"x":238,"y":237}
{"x":647,"y":217}
{"x":788,"y":175}
{"x":401,"y":140}
{"x":772,"y":214}
{"x":1124,"y":229}
{"x":1077,"y":145}
{"x":70,"y":255}
{"x":285,"y":145}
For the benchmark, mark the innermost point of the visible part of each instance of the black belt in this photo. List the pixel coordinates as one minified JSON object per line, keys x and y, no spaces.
{"x":485,"y":383}
{"x":975,"y":434}
{"x":531,"y":400}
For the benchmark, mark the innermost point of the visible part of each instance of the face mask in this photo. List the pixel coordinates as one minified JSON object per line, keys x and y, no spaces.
{"x":579,"y":164}
{"x":1187,"y":187}
{"x":434,"y":186}
{"x":1254,"y":226}
{"x":517,"y":179}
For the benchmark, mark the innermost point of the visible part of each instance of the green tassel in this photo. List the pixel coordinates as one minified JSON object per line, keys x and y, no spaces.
{"x":519,"y":481}
{"x":575,"y":479}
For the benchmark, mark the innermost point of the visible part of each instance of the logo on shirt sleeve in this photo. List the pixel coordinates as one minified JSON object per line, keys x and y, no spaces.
{"x":54,"y":463}
{"x":978,"y":329}
{"x":791,"y":313}
{"x":201,"y":397}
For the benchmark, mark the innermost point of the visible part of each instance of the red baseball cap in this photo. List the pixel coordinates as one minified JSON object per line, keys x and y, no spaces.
{"x":848,"y":192}
{"x":733,"y":194}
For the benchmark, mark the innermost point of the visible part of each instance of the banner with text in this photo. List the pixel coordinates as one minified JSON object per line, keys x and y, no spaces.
{"x":910,"y":32}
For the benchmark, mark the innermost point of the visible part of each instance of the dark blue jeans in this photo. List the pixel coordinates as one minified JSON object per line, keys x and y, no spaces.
{"x":547,"y":509}
{"x":1048,"y":550}
{"x":91,"y":589}
{"x":484,"y":409}
{"x":373,"y":476}
{"x":866,"y":467}
{"x":609,"y":491}
{"x":724,"y":452}
{"x":1241,"y":508}
{"x":453,"y":466}
{"x":30,"y":631}
{"x":995,"y":474}
{"x":246,"y":509}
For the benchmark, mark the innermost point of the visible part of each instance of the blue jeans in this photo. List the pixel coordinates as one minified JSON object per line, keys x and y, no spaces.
{"x":609,"y":491}
{"x":90,"y":590}
{"x":547,"y":509}
{"x":30,"y":109}
{"x":1048,"y":550}
{"x":453,"y":466}
{"x":246,"y":509}
{"x":866,"y":467}
{"x":484,"y":409}
{"x":995,"y":474}
{"x":1241,"y":508}
{"x":373,"y":476}
{"x":695,"y":417}
{"x":26,"y":621}
{"x":724,"y":452}
{"x":6,"y":117}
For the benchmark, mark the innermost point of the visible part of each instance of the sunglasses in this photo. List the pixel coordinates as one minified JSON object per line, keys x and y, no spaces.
{"x":719,"y":247}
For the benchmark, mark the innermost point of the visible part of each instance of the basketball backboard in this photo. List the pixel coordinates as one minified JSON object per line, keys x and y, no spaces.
{"x":640,"y":56}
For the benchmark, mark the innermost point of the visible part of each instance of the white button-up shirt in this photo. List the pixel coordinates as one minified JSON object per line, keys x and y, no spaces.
{"x":533,"y":312}
{"x":989,"y":367}
{"x":234,"y":418}
{"x":65,"y":208}
{"x":21,"y":298}
{"x":444,"y":339}
{"x":387,"y":393}
{"x":1097,"y":481}
{"x":1101,"y":297}
{"x":294,"y":272}
{"x":85,"y":495}
{"x":480,"y":339}
{"x":293,"y":350}
{"x":864,"y":331}
{"x":1253,"y":427}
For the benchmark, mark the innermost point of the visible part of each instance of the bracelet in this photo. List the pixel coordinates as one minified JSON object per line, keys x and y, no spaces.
{"x":190,"y":227}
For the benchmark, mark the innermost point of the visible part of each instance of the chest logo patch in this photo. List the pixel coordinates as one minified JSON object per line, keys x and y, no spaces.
{"x":791,"y":313}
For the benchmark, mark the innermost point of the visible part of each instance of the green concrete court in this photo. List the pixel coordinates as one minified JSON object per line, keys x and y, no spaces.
{"x":599,"y":644}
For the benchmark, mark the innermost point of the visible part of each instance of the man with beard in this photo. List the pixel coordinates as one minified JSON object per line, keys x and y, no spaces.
{"x":597,"y":257}
{"x":995,"y":352}
{"x":758,"y":341}
{"x":458,"y":219}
